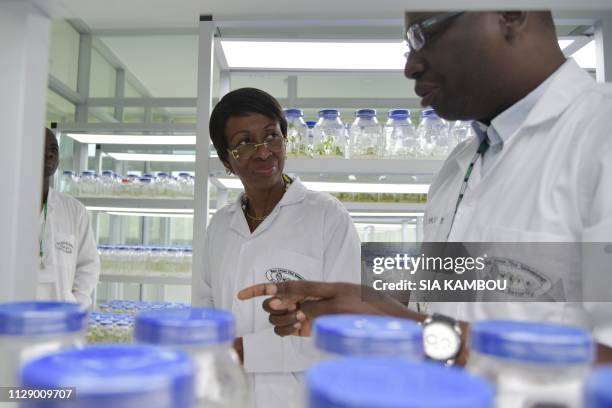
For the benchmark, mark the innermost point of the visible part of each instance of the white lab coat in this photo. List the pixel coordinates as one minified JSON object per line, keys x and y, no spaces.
{"x":308,"y":235}
{"x":70,"y":265}
{"x":552,"y":183}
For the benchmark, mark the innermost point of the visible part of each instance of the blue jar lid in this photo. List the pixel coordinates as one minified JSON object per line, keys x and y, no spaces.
{"x":294,"y":113}
{"x":530,"y":342}
{"x":40,"y":318}
{"x":365,"y":113}
{"x":162,"y":174}
{"x":369,"y":335}
{"x":69,"y":173}
{"x":117,"y":376}
{"x":598,"y":388}
{"x":145,"y":180}
{"x":87,"y":173}
{"x":311,"y":123}
{"x":329,"y":113}
{"x":184,"y":174}
{"x":429,"y":113}
{"x":107,"y":173}
{"x":362,"y":382}
{"x":399,"y":113}
{"x":151,"y":175}
{"x":202,"y":326}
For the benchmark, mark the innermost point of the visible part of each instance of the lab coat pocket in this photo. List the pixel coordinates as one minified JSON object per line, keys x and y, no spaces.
{"x":282,"y":266}
{"x":64,"y":251}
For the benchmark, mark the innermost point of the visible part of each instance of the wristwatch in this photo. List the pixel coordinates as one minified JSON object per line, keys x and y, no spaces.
{"x":441,"y":338}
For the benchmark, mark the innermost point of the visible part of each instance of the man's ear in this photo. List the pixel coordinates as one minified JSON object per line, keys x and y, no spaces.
{"x":513,"y":23}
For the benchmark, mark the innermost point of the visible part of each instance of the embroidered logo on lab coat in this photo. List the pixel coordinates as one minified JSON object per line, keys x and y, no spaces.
{"x":277,"y":275}
{"x":64,"y":246}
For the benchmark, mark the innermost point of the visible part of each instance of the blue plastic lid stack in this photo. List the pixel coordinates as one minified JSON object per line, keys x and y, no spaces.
{"x":41,"y":318}
{"x":329,"y":113}
{"x":399,"y":114}
{"x":429,"y":113}
{"x":369,"y":335}
{"x":311,"y":123}
{"x":193,"y":326}
{"x":540,"y":343}
{"x":116,"y":376}
{"x":598,"y":388}
{"x":361,"y":382}
{"x":365,"y":113}
{"x":294,"y":113}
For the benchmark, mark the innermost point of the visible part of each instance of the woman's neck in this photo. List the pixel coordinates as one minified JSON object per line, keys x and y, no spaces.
{"x":260,"y":203}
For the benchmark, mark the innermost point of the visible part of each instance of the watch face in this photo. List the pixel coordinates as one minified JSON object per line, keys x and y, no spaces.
{"x":441,"y":341}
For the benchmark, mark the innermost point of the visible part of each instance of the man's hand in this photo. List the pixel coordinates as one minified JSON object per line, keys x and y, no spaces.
{"x":295,"y":304}
{"x":239,"y":348}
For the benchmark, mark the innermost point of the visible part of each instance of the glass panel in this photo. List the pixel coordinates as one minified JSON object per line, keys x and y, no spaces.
{"x":175,"y":115}
{"x":165,"y":64}
{"x":181,"y":231}
{"x":101,"y":115}
{"x":133,"y":115}
{"x":59,"y":109}
{"x":355,"y":85}
{"x":131,"y":91}
{"x":64,"y":53}
{"x":274,"y":84}
{"x":103,"y":77}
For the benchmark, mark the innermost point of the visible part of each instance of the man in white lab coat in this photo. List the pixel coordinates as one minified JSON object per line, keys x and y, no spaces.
{"x":69,"y":261}
{"x":539,"y":170}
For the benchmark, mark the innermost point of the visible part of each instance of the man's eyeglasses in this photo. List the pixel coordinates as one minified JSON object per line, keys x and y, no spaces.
{"x":273,"y":142}
{"x":415,"y":35}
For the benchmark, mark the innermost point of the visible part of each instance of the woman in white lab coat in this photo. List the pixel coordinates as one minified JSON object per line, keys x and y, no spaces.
{"x":69,"y":261}
{"x":277,"y":230}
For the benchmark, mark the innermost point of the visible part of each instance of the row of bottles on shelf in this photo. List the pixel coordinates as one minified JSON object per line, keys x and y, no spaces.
{"x":111,"y":184}
{"x":434,"y":138}
{"x":115,"y":321}
{"x":136,"y":260}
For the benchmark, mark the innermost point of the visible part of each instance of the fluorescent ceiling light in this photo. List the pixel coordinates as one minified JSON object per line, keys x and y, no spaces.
{"x":142,"y":210}
{"x":232,"y":183}
{"x":134,"y":139}
{"x":314,"y":55}
{"x":182,"y":158}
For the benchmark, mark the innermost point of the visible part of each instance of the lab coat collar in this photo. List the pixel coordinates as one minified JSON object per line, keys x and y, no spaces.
{"x":568,"y":82}
{"x":51,"y":200}
{"x":294,"y":194}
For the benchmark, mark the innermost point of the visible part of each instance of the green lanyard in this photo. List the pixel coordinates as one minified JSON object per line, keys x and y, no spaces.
{"x":41,"y":251}
{"x":482,"y":148}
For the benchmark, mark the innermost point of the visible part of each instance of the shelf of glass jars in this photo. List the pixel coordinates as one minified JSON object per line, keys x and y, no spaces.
{"x":155,"y":278}
{"x":138,"y":204}
{"x":340,"y":165}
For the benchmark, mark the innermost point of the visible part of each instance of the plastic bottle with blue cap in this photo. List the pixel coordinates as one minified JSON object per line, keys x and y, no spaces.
{"x":330,"y":137}
{"x":207,"y":336}
{"x":459,"y":131}
{"x":368,"y":335}
{"x":365,"y":136}
{"x":401,"y":141}
{"x":433,"y":135}
{"x":532,"y":363}
{"x":598,"y":388}
{"x":385,"y":382}
{"x":115,"y":376}
{"x":32,"y":329}
{"x":297,"y":133}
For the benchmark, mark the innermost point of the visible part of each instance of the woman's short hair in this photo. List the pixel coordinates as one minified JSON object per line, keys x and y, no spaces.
{"x":242,"y":102}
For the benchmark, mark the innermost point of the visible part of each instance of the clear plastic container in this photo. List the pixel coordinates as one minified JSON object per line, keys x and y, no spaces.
{"x":115,"y":376}
{"x":365,"y":135}
{"x":532,"y":364}
{"x":330,"y":137}
{"x":384,"y":382}
{"x":68,"y":182}
{"x":32,"y":329}
{"x":87,"y":185}
{"x":366,"y":335}
{"x":207,"y":335}
{"x":598,"y":388}
{"x":433,"y":135}
{"x":297,"y":133}
{"x":401,"y":140}
{"x":460,"y":131}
